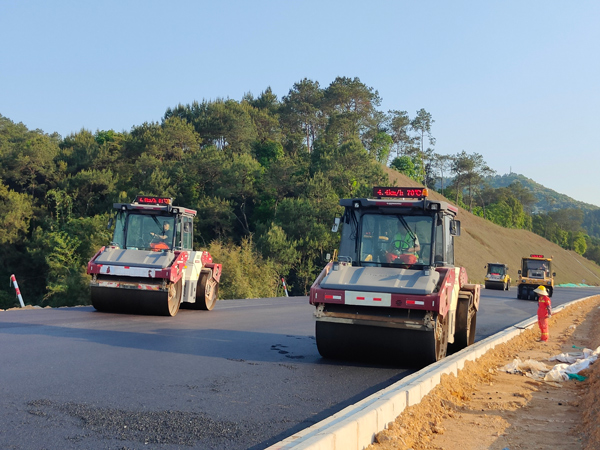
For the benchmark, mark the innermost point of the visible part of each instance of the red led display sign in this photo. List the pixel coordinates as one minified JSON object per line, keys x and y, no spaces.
{"x":150,"y":200}
{"x":399,"y":192}
{"x":536,"y":256}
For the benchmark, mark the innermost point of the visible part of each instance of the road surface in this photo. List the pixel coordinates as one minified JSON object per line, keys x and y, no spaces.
{"x":244,"y":375}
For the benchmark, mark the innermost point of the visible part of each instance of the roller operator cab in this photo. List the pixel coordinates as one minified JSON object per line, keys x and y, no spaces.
{"x":536,"y":270}
{"x":150,"y":266}
{"x":394,"y":293}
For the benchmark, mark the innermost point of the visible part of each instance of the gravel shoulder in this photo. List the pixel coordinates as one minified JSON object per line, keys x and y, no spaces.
{"x":486,"y":408}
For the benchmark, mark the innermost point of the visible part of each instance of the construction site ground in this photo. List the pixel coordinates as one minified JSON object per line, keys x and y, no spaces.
{"x":486,"y":408}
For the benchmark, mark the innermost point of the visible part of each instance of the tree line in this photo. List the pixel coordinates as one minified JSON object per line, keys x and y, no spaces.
{"x":265,"y":175}
{"x":465,"y":177}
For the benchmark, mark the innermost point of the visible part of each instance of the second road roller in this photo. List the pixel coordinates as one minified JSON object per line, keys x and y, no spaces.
{"x":150,"y":266}
{"x":392,"y":292}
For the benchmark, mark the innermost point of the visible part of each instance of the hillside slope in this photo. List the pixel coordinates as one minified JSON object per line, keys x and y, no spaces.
{"x":482,"y":242}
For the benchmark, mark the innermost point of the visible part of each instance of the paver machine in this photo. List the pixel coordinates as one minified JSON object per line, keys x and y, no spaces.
{"x":497,"y":277}
{"x":150,"y":266}
{"x":536,"y":270}
{"x":393,"y":291}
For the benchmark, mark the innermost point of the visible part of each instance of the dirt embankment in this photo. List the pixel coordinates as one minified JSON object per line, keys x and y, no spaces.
{"x":486,"y":408}
{"x":482,"y":242}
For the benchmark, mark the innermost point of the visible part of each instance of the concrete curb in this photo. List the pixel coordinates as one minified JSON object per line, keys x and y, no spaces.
{"x":355,"y":427}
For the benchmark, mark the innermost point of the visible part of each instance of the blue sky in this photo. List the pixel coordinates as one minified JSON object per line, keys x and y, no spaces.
{"x":516,"y":81}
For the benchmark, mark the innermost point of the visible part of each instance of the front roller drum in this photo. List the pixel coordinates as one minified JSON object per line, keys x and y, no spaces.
{"x":498,"y":285}
{"x":137,"y":301}
{"x":382,"y":344}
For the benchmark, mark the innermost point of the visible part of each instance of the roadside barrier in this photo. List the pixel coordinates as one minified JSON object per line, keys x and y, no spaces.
{"x":284,"y":287}
{"x":14,"y":281}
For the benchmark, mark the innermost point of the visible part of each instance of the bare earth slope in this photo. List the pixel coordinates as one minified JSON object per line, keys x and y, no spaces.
{"x":482,"y":242}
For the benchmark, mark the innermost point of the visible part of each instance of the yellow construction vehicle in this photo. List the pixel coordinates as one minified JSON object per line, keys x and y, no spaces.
{"x":536,"y":270}
{"x":497,"y":276}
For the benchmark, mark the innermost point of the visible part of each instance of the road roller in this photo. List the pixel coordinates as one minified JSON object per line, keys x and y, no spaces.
{"x":536,"y":270}
{"x":150,"y":266}
{"x":392,"y":292}
{"x":497,"y":276}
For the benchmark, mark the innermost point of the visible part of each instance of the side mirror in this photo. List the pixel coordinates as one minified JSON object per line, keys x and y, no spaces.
{"x":553,"y":274}
{"x":336,"y":225}
{"x":328,"y":257}
{"x":455,"y":227}
{"x":519,"y":272}
{"x":110,"y":222}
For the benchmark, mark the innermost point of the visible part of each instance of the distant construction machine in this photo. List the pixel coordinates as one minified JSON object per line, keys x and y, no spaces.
{"x":150,"y":266}
{"x":536,"y":270}
{"x":497,"y":276}
{"x":394,"y":292}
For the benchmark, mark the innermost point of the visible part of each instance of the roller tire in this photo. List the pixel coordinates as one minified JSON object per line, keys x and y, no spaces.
{"x":207,"y":293}
{"x":466,"y":324}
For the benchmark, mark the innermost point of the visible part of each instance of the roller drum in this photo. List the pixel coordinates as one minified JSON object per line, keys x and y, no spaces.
{"x":381,"y":344}
{"x":137,"y":301}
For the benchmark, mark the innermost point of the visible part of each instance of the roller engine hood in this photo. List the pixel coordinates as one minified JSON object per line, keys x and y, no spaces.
{"x":381,"y":279}
{"x":135,"y":258}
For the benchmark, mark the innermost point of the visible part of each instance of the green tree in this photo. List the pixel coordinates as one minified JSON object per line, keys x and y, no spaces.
{"x":404,"y":165}
{"x":16,"y":211}
{"x":399,"y":126}
{"x":350,"y":107}
{"x":302,"y":112}
{"x":422,"y":124}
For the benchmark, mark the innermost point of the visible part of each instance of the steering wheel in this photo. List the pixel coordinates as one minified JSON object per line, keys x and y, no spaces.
{"x":401,"y":247}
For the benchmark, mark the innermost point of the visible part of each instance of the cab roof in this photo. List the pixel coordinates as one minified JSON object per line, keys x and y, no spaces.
{"x":160,"y":205}
{"x":389,"y":205}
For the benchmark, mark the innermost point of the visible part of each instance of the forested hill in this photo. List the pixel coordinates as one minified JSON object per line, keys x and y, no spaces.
{"x":265,"y":175}
{"x":546,"y":199}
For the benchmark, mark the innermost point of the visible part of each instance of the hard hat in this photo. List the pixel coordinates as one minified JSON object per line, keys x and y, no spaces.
{"x":541,"y":290}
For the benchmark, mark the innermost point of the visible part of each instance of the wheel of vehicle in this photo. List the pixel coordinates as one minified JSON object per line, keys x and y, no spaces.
{"x":207,"y":293}
{"x":466,"y":319}
{"x":441,"y":337}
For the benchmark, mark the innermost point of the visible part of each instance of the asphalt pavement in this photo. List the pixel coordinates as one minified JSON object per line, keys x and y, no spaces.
{"x":244,"y":375}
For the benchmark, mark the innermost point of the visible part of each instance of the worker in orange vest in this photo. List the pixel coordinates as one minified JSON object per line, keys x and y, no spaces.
{"x":544,"y":311}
